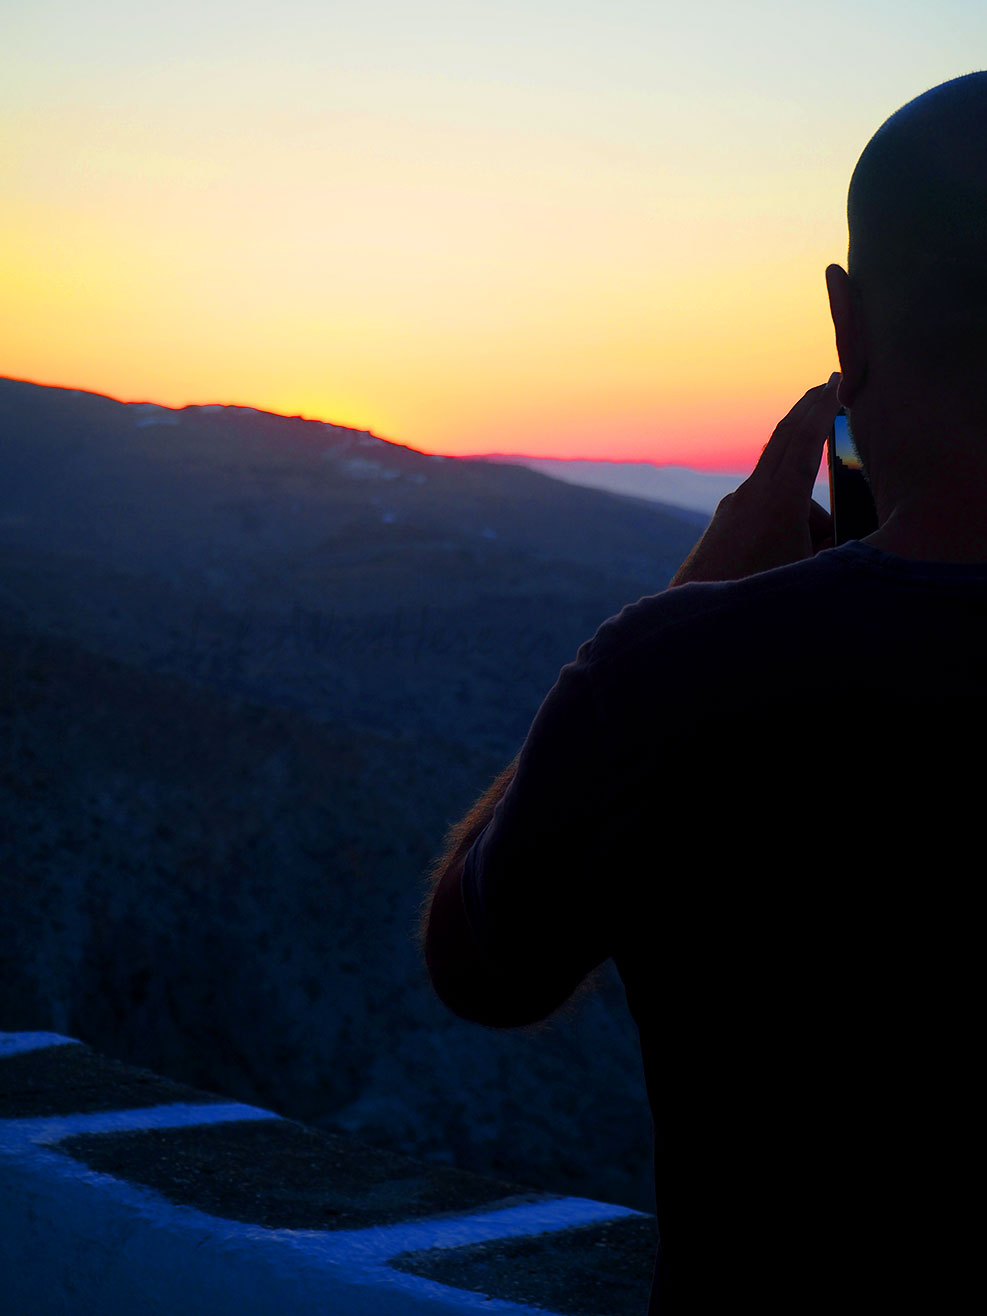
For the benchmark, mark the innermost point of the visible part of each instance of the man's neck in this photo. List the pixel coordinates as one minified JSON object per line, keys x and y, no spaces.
{"x":929,"y":478}
{"x":937,"y":525}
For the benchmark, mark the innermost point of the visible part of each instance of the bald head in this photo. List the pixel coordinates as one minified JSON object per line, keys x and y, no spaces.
{"x":917,"y":213}
{"x":919,"y":190}
{"x":910,"y":315}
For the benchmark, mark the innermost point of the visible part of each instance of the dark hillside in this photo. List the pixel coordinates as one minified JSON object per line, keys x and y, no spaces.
{"x":250,"y":668}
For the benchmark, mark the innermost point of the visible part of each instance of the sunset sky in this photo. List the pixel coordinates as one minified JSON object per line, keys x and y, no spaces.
{"x":550,"y":227}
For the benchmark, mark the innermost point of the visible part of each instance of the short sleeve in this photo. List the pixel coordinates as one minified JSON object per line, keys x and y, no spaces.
{"x":534,"y":891}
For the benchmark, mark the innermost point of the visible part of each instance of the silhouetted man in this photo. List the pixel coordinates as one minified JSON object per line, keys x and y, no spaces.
{"x":760,"y":793}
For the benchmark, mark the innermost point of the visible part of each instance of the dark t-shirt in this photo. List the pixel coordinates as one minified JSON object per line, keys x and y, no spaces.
{"x":764,"y":800}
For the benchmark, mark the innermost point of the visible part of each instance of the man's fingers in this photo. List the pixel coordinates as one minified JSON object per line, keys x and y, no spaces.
{"x":777,"y":445}
{"x":797,"y":442}
{"x":804,"y":453}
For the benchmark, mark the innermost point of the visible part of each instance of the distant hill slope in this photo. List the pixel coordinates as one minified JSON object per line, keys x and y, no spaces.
{"x":252,"y":667}
{"x":307,"y":563}
{"x":675,"y":487}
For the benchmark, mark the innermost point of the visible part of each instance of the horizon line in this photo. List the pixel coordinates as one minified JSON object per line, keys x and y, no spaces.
{"x":320,"y":420}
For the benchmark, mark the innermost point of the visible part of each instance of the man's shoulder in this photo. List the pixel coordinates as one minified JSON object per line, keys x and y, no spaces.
{"x":870,"y":615}
{"x":700,"y":614}
{"x":855,"y":586}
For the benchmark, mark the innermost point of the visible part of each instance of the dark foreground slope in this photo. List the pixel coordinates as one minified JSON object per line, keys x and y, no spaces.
{"x":250,"y":669}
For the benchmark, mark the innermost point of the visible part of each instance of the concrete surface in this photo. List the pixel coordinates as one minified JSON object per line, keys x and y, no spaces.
{"x":121,"y":1192}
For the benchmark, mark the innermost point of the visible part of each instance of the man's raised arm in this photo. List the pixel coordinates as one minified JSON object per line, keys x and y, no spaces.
{"x":521,"y":906}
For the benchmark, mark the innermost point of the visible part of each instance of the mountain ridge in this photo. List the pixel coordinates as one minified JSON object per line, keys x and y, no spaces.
{"x":674,"y":486}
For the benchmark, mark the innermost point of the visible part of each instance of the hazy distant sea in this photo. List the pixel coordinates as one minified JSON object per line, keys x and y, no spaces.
{"x":678,"y":486}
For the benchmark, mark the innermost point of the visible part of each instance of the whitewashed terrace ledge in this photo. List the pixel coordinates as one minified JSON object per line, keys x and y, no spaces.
{"x":125,"y":1194}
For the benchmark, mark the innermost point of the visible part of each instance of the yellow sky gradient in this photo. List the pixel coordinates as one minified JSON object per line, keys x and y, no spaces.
{"x":562,"y":230}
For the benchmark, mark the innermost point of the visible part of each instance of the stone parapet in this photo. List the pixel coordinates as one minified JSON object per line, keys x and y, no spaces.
{"x":125,"y":1193}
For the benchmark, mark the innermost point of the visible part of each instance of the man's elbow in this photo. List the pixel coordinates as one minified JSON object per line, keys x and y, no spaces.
{"x":466,"y":980}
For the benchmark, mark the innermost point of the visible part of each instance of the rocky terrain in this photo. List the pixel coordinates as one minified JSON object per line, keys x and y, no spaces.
{"x":251,"y":667}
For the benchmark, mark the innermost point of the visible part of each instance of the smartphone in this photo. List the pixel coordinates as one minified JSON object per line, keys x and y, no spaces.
{"x":850,"y":499}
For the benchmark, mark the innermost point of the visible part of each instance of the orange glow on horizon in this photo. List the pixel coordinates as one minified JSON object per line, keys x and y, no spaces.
{"x":720,"y":445}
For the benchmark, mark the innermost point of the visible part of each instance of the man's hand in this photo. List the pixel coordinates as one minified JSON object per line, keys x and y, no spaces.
{"x":771,"y":519}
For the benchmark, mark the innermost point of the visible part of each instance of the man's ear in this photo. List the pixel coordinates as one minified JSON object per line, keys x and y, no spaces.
{"x":849,"y":335}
